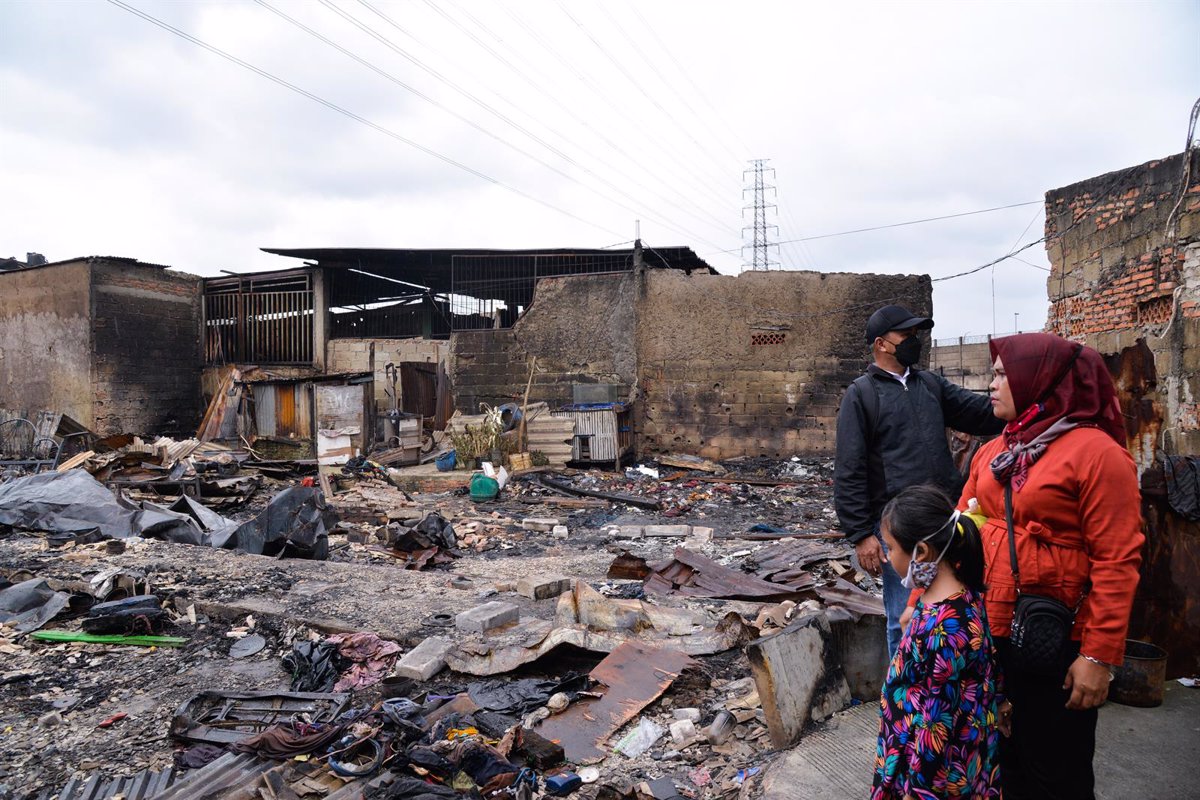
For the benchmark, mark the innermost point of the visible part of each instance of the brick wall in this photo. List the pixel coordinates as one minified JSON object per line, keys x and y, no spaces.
{"x":146,"y":355}
{"x":354,"y":355}
{"x":1126,"y":281}
{"x":45,"y":341}
{"x":719,"y":365}
{"x":1121,"y":274}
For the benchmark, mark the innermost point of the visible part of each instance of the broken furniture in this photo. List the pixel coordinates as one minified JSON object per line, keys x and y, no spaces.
{"x":41,"y":443}
{"x":226,"y":717}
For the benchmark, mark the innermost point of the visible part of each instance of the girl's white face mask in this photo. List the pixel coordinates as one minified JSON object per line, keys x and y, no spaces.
{"x":921,"y":573}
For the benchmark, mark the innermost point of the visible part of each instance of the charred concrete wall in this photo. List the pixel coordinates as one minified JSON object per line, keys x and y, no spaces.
{"x":1125,"y":257}
{"x":46,"y":341}
{"x":966,"y":362}
{"x":580,"y":329}
{"x":720,"y":366}
{"x":146,"y":324}
{"x":754,"y":364}
{"x":354,"y":355}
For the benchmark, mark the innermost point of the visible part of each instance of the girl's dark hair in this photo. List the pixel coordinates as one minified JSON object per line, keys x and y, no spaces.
{"x":917,"y":512}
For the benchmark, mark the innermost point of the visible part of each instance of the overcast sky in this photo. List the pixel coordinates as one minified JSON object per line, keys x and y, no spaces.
{"x":521,"y":123}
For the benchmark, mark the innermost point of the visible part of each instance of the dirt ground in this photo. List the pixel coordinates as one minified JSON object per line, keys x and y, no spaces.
{"x":53,"y":696}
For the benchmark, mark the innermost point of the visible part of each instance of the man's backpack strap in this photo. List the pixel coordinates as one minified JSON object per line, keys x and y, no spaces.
{"x":868,"y":394}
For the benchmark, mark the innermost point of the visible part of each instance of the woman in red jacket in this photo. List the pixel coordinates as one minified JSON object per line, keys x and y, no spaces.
{"x":1078,"y":537}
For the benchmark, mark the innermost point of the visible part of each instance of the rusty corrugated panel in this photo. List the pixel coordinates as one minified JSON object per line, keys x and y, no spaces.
{"x":694,"y":575}
{"x":635,"y":675}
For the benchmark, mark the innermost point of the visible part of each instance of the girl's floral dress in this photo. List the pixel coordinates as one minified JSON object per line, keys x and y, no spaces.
{"x":937,"y":733}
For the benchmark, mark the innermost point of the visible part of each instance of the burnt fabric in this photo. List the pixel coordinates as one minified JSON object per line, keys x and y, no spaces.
{"x":370,"y":659}
{"x":315,"y":667}
{"x":197,"y":756}
{"x":406,"y":788}
{"x":1183,"y":485}
{"x":285,"y":741}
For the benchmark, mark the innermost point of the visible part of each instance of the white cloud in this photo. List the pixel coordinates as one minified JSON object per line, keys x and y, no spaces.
{"x":119,"y":138}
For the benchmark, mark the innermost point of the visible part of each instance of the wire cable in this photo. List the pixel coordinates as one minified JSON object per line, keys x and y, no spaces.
{"x":497,"y":113}
{"x":466,"y":120}
{"x":590,"y":127}
{"x":351,"y":115}
{"x":621,"y":68}
{"x":895,"y":225}
{"x":439,"y":76}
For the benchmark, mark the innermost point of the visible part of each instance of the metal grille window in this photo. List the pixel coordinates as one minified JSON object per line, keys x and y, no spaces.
{"x":767,"y":339}
{"x":259,"y":320}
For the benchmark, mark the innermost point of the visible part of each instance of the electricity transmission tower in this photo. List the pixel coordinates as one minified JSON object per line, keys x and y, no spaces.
{"x":760,"y":247}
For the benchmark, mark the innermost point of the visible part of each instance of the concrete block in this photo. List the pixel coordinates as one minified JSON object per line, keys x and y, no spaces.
{"x":631,"y":531}
{"x":487,"y":616}
{"x":700,"y":534}
{"x":798,"y":678}
{"x":539,"y":524}
{"x":560,"y":532}
{"x":425,"y":660}
{"x":543,"y":588}
{"x":667,"y":530}
{"x":687,"y":713}
{"x":683,"y":730}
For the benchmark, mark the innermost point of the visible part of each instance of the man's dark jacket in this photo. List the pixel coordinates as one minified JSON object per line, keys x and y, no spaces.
{"x":907,"y":446}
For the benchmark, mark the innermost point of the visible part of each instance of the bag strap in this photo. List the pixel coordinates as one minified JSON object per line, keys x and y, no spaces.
{"x":1012,"y":550}
{"x":870,"y":405}
{"x":1012,"y":537}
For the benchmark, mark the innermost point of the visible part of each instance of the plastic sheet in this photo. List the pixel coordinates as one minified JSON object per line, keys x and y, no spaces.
{"x":29,"y":605}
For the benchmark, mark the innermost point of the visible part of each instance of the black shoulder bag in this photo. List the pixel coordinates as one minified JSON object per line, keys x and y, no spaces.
{"x":1041,"y":626}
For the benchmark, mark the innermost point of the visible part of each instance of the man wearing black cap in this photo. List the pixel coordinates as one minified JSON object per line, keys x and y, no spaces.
{"x":891,"y":434}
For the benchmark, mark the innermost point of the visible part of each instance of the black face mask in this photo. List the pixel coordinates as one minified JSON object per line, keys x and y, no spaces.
{"x":908,"y":352}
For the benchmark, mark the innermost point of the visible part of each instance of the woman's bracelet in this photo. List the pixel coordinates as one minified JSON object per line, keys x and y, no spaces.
{"x":1111,"y":669}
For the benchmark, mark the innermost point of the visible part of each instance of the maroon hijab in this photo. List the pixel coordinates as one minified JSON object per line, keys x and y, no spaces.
{"x":1055,"y":384}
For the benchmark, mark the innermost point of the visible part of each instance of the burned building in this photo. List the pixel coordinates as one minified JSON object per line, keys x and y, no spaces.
{"x":712,"y":365}
{"x":111,"y":342}
{"x":1125,"y":254}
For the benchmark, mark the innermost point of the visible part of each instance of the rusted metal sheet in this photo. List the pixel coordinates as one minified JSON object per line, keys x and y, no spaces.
{"x":418,"y":388}
{"x":636,"y":675}
{"x":785,"y":562}
{"x":628,"y":567}
{"x":850,"y":597}
{"x":286,"y":422}
{"x":1166,"y":608}
{"x":225,"y":717}
{"x":694,"y":575}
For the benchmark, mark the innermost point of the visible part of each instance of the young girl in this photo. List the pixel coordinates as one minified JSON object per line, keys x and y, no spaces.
{"x":939,"y":723}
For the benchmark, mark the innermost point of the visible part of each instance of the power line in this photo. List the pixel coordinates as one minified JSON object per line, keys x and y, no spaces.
{"x":665,"y":155}
{"x":500,"y":115}
{"x":894,"y":225}
{"x":455,"y":114}
{"x":1048,"y":238}
{"x":699,"y":91}
{"x":590,"y":127}
{"x":621,"y":68}
{"x":641,"y":53}
{"x":350,"y":114}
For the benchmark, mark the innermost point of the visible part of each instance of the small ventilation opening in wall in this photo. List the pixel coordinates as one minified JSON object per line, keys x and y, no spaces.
{"x":765,"y":339}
